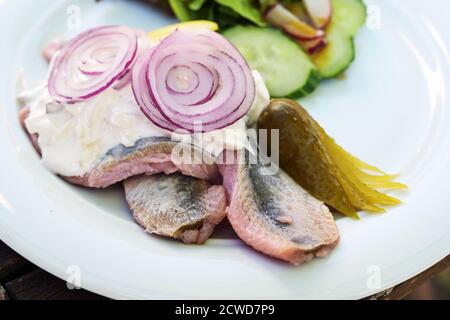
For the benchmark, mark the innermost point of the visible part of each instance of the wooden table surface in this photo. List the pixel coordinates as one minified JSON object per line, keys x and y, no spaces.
{"x":21,"y":280}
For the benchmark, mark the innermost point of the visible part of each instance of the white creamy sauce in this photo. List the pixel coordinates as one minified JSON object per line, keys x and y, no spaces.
{"x":72,"y":137}
{"x":262,"y":98}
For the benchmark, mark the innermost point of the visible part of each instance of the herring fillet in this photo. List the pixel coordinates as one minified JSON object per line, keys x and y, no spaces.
{"x":274,"y":215}
{"x":176,"y":206}
{"x":150,"y":155}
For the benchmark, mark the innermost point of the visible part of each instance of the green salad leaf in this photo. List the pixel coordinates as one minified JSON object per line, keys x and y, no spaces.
{"x":225,"y":12}
{"x":186,"y":10}
{"x":196,"y":4}
{"x":246,"y":9}
{"x":180,"y":10}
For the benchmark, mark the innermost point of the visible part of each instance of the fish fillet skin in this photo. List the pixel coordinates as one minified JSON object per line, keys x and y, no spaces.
{"x":176,"y":206}
{"x":51,"y":48}
{"x":275,"y":216}
{"x":151,"y":155}
{"x":251,"y":201}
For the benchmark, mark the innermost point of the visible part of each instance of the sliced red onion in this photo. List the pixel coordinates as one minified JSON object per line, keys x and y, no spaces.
{"x":320,"y":12}
{"x":313,"y":46}
{"x":278,"y":16}
{"x":92,"y":62}
{"x":123,"y":81}
{"x":142,"y":94}
{"x":193,"y":78}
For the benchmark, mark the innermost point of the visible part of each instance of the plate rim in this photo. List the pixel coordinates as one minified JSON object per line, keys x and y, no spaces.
{"x":19,"y":244}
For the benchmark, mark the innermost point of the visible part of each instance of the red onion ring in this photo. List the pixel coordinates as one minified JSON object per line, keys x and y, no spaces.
{"x":144,"y":98}
{"x":92,"y":62}
{"x":123,"y":81}
{"x":193,"y":78}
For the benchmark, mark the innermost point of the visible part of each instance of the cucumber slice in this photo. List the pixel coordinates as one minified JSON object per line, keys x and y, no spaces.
{"x":286,"y":69}
{"x":349,"y":15}
{"x":337,"y":55}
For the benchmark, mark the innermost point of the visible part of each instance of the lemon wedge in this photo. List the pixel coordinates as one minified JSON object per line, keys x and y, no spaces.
{"x":160,"y":34}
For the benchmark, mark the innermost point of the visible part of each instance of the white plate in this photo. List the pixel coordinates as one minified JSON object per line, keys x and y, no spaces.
{"x":392,"y":109}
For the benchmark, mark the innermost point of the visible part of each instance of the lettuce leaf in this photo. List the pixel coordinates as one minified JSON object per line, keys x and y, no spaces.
{"x":246,"y":9}
{"x":225,"y":12}
{"x":180,"y":9}
{"x":186,"y":10}
{"x":196,"y":4}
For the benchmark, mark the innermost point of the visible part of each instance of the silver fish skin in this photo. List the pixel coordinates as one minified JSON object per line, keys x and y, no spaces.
{"x":274,"y":215}
{"x":176,"y":206}
{"x":151,"y":155}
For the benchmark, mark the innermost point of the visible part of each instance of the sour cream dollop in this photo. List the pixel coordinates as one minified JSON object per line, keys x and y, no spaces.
{"x":73,"y":137}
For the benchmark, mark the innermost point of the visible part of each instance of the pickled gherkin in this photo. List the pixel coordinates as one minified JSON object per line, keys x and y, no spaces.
{"x":316,"y":162}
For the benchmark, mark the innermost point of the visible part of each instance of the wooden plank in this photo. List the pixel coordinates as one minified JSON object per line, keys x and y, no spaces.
{"x":40,"y":285}
{"x":3,"y":295}
{"x":11,"y":264}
